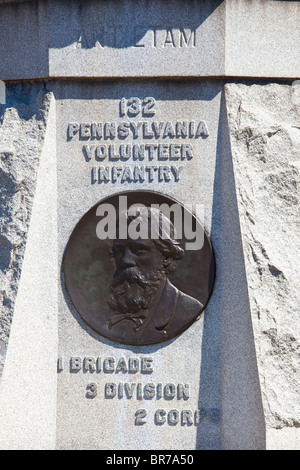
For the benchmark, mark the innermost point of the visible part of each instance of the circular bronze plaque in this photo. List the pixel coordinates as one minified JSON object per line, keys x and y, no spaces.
{"x":139,"y":268}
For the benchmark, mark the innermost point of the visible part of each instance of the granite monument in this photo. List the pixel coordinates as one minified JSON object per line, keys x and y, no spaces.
{"x":187,"y":335}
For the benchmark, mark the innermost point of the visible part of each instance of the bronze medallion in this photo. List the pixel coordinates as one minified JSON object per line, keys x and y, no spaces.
{"x":139,"y":268}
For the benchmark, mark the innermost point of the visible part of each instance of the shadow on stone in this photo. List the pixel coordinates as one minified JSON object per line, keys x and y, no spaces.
{"x":122,"y":24}
{"x":229,"y":377}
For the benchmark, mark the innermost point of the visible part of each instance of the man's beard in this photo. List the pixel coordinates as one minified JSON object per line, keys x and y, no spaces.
{"x":131,"y":291}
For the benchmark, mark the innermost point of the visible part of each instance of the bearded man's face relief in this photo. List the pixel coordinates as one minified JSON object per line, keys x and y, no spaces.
{"x":138,"y":297}
{"x":138,"y":276}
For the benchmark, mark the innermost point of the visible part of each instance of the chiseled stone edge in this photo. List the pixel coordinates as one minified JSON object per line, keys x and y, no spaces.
{"x":22,"y":134}
{"x":28,"y":389}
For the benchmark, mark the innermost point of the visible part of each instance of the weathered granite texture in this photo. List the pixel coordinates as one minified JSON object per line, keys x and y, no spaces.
{"x":264,"y":128}
{"x":22,"y":133}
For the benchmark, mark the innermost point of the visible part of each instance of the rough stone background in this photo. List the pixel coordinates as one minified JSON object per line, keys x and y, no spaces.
{"x":22,"y":129}
{"x":264,"y":124}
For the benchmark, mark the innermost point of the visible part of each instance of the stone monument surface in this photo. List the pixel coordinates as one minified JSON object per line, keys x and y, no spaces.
{"x":149,"y":247}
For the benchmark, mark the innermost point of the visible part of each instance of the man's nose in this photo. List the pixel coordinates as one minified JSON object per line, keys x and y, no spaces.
{"x":127,"y":259}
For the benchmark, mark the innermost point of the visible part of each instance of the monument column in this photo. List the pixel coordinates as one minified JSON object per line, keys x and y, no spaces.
{"x":149,"y":248}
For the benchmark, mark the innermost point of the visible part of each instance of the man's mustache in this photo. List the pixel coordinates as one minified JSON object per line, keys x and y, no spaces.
{"x":132,"y":291}
{"x":132,"y":275}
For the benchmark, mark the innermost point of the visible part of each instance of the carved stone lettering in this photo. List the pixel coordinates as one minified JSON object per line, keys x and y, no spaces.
{"x":100,"y":135}
{"x":142,"y":129}
{"x":108,"y":365}
{"x":176,"y":417}
{"x":148,"y":391}
{"x":133,"y":35}
{"x":110,"y":390}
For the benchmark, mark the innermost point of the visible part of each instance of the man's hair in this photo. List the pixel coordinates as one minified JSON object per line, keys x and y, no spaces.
{"x":162,"y":232}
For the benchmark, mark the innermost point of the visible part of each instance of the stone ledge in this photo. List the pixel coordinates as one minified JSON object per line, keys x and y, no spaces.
{"x":46,"y":39}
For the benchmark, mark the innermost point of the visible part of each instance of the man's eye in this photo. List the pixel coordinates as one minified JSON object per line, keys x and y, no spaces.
{"x":118,"y":250}
{"x":139,"y":251}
